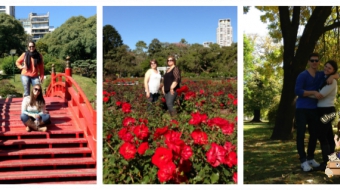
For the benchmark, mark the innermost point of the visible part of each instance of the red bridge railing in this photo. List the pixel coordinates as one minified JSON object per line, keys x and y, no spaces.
{"x":64,"y":86}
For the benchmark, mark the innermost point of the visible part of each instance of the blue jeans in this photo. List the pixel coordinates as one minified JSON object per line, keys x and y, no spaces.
{"x":302,"y":118}
{"x":27,"y":81}
{"x":170,"y":100}
{"x":44,"y":118}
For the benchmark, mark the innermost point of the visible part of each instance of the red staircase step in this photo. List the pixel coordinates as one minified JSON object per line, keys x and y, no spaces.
{"x":47,"y":174}
{"x":42,"y":141}
{"x":46,"y":162}
{"x":70,"y":182}
{"x":52,"y":130}
{"x":44,"y":151}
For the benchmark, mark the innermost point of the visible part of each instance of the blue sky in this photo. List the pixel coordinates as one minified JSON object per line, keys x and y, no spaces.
{"x":58,"y":14}
{"x":196,"y":24}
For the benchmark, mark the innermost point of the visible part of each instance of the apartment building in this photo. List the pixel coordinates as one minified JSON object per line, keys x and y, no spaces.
{"x":10,"y":10}
{"x":224,"y":32}
{"x":37,"y":25}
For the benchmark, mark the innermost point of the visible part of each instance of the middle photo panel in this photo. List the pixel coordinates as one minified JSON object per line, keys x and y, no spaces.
{"x":170,"y":95}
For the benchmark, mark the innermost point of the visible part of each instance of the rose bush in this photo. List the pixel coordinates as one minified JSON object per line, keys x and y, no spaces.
{"x":143,"y":144}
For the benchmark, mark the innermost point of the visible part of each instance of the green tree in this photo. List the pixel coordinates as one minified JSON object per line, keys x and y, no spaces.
{"x":76,"y":38}
{"x":120,"y":62}
{"x":284,"y":23}
{"x":154,"y":47}
{"x":111,"y":39}
{"x":11,"y":34}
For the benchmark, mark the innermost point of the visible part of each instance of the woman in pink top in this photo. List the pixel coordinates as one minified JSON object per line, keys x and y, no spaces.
{"x":32,"y":67}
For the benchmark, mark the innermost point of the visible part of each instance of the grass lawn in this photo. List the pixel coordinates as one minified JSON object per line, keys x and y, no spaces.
{"x":276,"y":162}
{"x":89,"y":86}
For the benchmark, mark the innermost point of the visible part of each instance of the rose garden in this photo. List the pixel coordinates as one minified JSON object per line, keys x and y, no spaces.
{"x":142,"y":143}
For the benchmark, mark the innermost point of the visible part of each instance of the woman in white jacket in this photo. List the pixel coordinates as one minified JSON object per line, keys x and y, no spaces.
{"x":152,"y":81}
{"x":33,"y":111}
{"x":327,"y":113}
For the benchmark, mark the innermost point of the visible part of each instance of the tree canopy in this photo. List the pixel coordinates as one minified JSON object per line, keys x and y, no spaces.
{"x":284,"y":24}
{"x":111,"y":39}
{"x":12,"y":34}
{"x":76,"y":38}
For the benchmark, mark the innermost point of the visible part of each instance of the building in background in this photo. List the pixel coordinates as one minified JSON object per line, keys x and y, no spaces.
{"x":10,"y":10}
{"x":224,"y":32}
{"x":37,"y":25}
{"x":207,"y":44}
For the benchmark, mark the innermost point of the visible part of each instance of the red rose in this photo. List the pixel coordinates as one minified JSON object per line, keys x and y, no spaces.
{"x":159,"y":132}
{"x":186,"y":152}
{"x":235,"y":177}
{"x":173,"y":141}
{"x":201,"y":92}
{"x":167,"y":172}
{"x":106,"y":99}
{"x":216,"y":154}
{"x":161,"y":157}
{"x":127,"y":150}
{"x":142,"y":148}
{"x":108,"y":137}
{"x":105,"y":93}
{"x":113,"y":93}
{"x":163,"y":99}
{"x":228,"y":128}
{"x":125,"y":135}
{"x":141,"y":120}
{"x":229,"y":147}
{"x":128,"y":121}
{"x":141,"y":132}
{"x":230,"y":159}
{"x":197,"y":118}
{"x":126,"y":107}
{"x":118,"y":103}
{"x":185,"y":165}
{"x":230,"y":96}
{"x":174,"y":122}
{"x":199,"y":137}
{"x":189,"y":95}
{"x":235,"y":102}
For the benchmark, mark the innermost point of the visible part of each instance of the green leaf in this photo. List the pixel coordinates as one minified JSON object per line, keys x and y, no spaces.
{"x":124,"y":162}
{"x":214,"y":177}
{"x":146,"y":180}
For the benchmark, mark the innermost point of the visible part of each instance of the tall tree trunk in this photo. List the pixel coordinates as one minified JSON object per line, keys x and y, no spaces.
{"x":257,"y":115}
{"x":295,"y":62}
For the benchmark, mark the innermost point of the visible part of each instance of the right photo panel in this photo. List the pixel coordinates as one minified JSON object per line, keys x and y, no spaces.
{"x":291,"y":58}
{"x":170,"y":95}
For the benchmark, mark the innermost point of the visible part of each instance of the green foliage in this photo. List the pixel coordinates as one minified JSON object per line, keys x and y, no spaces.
{"x":11,"y":34}
{"x":59,"y":66}
{"x":76,"y":38}
{"x":192,"y":59}
{"x":87,"y":68}
{"x":6,"y":89}
{"x":111,"y":39}
{"x":8,"y":65}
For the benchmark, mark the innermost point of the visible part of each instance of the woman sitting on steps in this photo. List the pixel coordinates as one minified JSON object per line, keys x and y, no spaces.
{"x":33,"y":111}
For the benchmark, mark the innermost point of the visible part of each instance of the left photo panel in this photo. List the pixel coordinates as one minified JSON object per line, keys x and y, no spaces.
{"x":48,"y":93}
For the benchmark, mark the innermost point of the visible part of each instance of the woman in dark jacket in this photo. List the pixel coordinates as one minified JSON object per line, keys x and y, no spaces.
{"x":172,"y":80}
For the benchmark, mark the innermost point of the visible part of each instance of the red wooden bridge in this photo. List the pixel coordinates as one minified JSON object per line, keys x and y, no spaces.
{"x":66,"y":153}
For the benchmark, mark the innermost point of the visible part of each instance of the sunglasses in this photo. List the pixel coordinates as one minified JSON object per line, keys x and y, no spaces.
{"x":31,"y":46}
{"x":37,"y":89}
{"x":314,"y":60}
{"x":170,"y":60}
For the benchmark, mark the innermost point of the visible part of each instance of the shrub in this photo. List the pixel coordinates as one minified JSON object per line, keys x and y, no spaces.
{"x":7,"y":65}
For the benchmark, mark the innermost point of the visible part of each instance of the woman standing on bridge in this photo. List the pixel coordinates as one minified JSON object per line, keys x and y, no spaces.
{"x":31,"y":65}
{"x":172,"y":80}
{"x":33,"y":111}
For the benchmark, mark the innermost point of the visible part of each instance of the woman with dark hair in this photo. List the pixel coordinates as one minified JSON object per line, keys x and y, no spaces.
{"x":327,"y":113}
{"x":33,"y":111}
{"x":172,"y":80}
{"x":31,"y":65}
{"x":152,"y":81}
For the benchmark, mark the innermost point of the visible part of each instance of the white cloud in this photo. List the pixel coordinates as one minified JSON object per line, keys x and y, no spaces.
{"x":252,"y":23}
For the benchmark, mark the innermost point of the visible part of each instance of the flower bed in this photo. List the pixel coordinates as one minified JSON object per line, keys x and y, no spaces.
{"x":143,"y":144}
